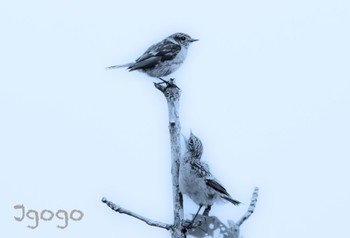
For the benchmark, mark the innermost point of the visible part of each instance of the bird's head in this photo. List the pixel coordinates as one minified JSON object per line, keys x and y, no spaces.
{"x":194,"y":146}
{"x":182,"y":39}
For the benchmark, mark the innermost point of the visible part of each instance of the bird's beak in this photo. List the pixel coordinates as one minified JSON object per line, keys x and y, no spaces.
{"x":193,"y":40}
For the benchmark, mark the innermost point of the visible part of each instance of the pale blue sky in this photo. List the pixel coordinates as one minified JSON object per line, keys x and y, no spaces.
{"x":267,"y":89}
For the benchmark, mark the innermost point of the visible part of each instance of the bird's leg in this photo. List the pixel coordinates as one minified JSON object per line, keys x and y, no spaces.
{"x":194,"y":217}
{"x":206,"y":211}
{"x":160,"y":83}
{"x":169,"y":83}
{"x":163,"y":81}
{"x":188,"y":224}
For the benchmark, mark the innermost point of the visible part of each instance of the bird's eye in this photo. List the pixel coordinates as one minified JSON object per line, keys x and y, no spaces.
{"x":183,"y":38}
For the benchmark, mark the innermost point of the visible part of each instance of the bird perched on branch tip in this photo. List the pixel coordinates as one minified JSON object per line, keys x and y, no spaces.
{"x":163,"y":58}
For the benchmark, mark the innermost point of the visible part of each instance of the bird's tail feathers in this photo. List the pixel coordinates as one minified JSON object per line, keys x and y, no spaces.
{"x":119,"y":66}
{"x":233,"y":201}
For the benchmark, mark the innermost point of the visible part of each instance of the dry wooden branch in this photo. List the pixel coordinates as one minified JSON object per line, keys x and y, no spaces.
{"x":150,"y":222}
{"x":251,"y":207}
{"x":172,"y":94}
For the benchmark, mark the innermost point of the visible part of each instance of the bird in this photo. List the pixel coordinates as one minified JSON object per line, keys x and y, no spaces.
{"x":196,"y":180}
{"x":162,"y":58}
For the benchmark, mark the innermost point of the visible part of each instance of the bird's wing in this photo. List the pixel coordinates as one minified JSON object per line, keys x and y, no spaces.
{"x":145,"y":63}
{"x":168,"y":50}
{"x":162,"y":51}
{"x":230,"y":199}
{"x":216,"y":186}
{"x":200,"y":168}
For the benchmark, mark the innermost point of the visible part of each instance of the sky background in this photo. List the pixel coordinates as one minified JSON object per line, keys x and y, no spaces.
{"x":266,"y":89}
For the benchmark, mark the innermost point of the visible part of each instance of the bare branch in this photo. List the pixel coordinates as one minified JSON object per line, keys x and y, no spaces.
{"x":172,"y":94}
{"x":251,"y":207}
{"x":150,"y":222}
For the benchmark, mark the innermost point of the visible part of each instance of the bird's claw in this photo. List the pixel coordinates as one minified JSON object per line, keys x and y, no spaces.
{"x":169,"y":83}
{"x":193,"y":224}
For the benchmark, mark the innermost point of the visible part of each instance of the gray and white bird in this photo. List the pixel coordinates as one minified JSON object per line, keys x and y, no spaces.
{"x":163,"y":58}
{"x":196,"y":181}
